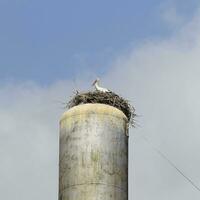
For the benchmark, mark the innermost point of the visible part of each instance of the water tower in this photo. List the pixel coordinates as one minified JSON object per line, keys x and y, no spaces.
{"x":93,"y":160}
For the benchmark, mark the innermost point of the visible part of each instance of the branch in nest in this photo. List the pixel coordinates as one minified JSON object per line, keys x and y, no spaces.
{"x":109,"y":98}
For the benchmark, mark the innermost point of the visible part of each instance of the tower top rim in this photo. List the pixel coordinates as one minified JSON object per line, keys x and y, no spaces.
{"x":94,"y":108}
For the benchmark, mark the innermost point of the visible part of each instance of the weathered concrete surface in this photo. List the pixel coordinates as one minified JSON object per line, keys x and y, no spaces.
{"x":93,"y":154}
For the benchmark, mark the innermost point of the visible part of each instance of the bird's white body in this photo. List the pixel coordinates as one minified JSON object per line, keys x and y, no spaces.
{"x":98,"y":88}
{"x":101,"y":89}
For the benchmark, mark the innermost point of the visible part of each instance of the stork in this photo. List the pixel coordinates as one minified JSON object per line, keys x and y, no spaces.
{"x":98,"y":88}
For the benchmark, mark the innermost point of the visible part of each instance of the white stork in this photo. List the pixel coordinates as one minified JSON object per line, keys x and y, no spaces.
{"x":98,"y":88}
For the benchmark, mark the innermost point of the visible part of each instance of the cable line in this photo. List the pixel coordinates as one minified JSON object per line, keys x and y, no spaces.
{"x":171,"y":163}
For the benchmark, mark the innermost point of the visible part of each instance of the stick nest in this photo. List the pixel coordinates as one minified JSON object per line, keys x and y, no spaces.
{"x":109,"y":98}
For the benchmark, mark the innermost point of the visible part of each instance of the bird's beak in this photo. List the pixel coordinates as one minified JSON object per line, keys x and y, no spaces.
{"x":94,"y":82}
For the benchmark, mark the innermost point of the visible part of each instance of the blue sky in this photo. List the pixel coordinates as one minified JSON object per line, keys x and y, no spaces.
{"x":45,"y":41}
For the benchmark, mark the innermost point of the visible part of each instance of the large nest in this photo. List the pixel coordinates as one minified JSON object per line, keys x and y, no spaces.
{"x":109,"y":98}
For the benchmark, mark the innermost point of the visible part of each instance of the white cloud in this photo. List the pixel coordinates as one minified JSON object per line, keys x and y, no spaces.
{"x":160,"y":77}
{"x":29,"y":140}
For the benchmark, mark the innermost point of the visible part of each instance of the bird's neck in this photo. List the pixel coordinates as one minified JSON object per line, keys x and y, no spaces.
{"x":97,"y":85}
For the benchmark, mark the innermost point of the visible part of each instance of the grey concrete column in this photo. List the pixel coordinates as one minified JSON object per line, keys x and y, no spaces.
{"x":93,"y":162}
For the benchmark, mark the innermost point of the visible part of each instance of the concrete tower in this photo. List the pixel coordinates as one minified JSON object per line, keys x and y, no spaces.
{"x":93,"y":153}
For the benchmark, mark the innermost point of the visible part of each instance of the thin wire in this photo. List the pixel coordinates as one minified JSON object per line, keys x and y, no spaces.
{"x":171,"y":163}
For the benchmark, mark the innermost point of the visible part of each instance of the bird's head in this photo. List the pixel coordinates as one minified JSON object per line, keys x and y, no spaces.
{"x":96,"y":81}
